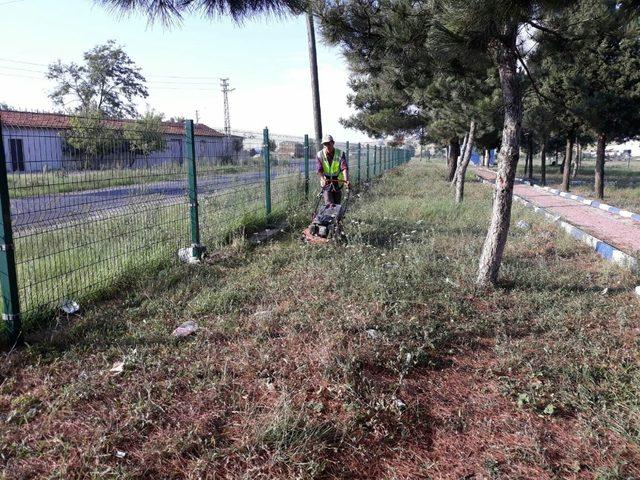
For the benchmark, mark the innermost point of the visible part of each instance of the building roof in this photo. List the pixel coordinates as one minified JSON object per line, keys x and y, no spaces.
{"x":58,"y":121}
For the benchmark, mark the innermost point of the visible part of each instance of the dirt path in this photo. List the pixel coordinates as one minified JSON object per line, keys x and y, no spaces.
{"x":470,"y":430}
{"x":622,"y":233}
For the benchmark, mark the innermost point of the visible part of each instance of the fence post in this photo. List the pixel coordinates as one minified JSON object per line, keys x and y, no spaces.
{"x":384,"y":156}
{"x":306,"y":167}
{"x":375,"y":152}
{"x":367,"y":162}
{"x":346,"y":155}
{"x":267,"y":171}
{"x":359,"y":162}
{"x":197,"y":248}
{"x":8,"y":273}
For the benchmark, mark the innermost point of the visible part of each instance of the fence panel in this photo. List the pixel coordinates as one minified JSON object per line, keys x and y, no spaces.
{"x":287,"y":173}
{"x":230,"y":185}
{"x":89,"y":203}
{"x":94,"y":200}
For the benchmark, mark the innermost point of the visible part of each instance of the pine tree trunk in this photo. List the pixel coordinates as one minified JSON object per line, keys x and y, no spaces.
{"x":543,"y":164}
{"x":462,"y":169}
{"x":576,"y":163}
{"x":526,"y":164}
{"x":599,"y":173}
{"x":452,"y":160}
{"x":459,"y":160}
{"x":566,"y":173}
{"x":496,"y":239}
{"x":530,"y":152}
{"x":460,"y":157}
{"x":315,"y":83}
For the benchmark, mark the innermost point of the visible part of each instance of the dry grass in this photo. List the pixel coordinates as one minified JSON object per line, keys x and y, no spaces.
{"x":378,"y":359}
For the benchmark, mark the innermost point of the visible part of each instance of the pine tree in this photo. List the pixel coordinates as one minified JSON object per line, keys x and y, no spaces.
{"x":595,"y":63}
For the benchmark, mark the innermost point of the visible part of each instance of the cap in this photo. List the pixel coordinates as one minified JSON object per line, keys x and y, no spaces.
{"x":327,"y":139}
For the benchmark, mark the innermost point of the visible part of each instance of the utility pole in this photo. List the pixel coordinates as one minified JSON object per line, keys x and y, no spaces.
{"x":315,"y":84}
{"x":224,"y":83}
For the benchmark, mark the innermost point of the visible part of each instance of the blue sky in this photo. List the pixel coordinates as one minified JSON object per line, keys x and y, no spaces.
{"x":265,"y":60}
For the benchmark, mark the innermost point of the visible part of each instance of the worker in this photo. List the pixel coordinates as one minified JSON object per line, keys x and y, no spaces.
{"x":332,"y":170}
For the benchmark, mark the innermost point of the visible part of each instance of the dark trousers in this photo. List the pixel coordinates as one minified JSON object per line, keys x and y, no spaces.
{"x":332,"y":196}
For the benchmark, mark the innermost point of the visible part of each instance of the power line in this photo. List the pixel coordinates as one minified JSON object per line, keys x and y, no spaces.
{"x":152,"y":82}
{"x":183,"y":77}
{"x":11,"y":1}
{"x":179,"y":77}
{"x":21,"y":61}
{"x":3,"y":67}
{"x":21,"y":76}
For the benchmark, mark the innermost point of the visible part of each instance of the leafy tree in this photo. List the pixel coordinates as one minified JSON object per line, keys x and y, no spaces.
{"x":173,"y":11}
{"x":400,"y":87}
{"x":492,"y":27}
{"x":466,"y":101}
{"x":599,"y":74}
{"x":5,"y":106}
{"x":389,"y":70}
{"x":145,"y":136}
{"x":457,"y":33}
{"x":91,"y":139}
{"x":544,"y":129}
{"x":108,"y":82}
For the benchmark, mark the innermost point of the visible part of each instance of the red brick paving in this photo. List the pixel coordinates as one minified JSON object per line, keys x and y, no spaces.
{"x":622,"y":233}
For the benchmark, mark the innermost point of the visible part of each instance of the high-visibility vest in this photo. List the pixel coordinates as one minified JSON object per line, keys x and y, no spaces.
{"x":332,"y":170}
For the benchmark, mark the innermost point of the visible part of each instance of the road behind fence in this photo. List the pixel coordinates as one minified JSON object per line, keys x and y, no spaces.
{"x":86,"y":201}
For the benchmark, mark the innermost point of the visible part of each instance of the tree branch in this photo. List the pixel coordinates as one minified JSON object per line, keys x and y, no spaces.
{"x":542,"y":28}
{"x":535,"y":85}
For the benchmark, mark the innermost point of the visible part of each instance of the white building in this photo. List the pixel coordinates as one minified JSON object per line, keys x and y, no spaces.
{"x":621,"y":148}
{"x":38,"y":142}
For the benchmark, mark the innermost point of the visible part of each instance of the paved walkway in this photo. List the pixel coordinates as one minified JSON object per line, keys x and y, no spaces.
{"x":621,"y":233}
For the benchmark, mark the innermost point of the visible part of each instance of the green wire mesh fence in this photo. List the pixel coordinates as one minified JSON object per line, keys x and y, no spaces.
{"x":88,"y":201}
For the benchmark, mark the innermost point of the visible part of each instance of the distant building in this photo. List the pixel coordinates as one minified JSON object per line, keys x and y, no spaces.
{"x":630,"y":148}
{"x":38,"y":141}
{"x":290,"y":149}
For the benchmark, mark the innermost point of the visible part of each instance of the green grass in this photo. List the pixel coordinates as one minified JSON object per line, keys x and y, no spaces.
{"x":25,"y":184}
{"x":91,"y":259}
{"x":622,"y":187}
{"x":374,"y":359}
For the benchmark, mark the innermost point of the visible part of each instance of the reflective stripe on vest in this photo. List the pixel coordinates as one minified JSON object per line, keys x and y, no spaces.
{"x":332,"y":170}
